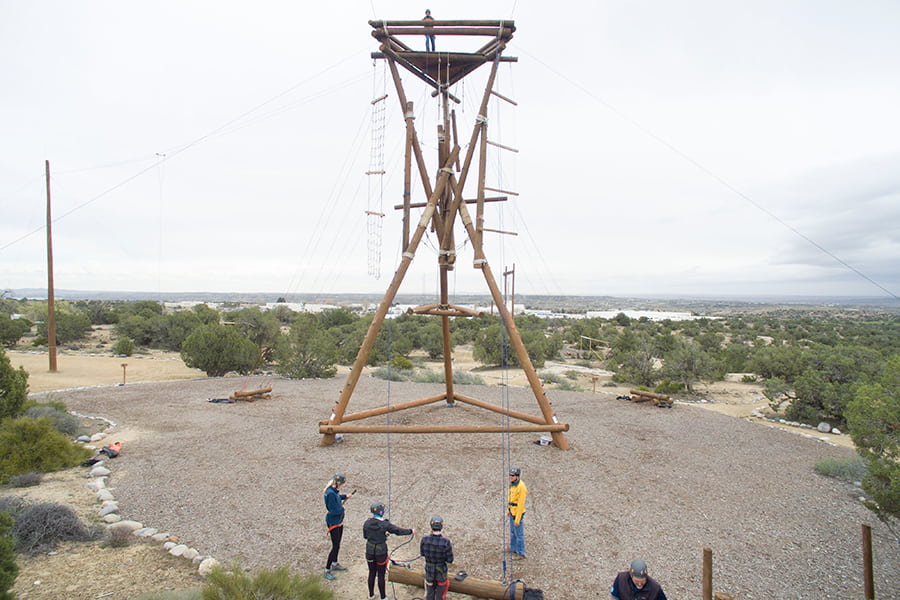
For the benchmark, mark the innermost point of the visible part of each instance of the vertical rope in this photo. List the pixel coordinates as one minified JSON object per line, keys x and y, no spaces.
{"x":388,"y":419}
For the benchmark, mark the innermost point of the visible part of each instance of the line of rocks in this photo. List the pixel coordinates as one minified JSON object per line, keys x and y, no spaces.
{"x":109,"y":513}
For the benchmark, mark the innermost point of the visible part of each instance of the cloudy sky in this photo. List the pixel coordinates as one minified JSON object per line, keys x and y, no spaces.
{"x":706,"y":147}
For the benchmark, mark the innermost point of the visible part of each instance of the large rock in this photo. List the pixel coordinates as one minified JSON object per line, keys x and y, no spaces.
{"x":207,"y":566}
{"x":824,"y":427}
{"x":100,"y":472}
{"x":129,"y":526}
{"x":108,"y":509}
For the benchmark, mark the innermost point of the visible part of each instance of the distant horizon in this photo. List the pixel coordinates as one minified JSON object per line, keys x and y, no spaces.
{"x":252,"y":296}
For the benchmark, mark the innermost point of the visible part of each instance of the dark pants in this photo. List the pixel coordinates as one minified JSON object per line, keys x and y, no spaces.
{"x":336,"y":534}
{"x":436,"y":590}
{"x":377,"y":567}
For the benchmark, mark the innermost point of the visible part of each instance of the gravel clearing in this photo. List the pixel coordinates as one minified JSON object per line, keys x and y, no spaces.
{"x":244,"y":481}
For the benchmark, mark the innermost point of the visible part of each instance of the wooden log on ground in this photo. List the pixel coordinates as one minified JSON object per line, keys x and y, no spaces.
{"x":652,"y":395}
{"x":258,"y":392}
{"x":481,"y":588}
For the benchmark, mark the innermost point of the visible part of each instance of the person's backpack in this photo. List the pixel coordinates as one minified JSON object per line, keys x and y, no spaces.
{"x":527,"y":593}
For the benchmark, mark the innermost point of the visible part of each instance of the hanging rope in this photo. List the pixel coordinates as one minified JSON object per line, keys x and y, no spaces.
{"x":388,"y":420}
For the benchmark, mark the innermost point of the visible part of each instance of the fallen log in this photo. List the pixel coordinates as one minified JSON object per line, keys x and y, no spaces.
{"x":471,"y":586}
{"x":251,"y":395}
{"x":653,"y":395}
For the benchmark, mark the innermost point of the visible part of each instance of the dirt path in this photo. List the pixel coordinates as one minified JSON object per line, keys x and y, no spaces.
{"x":698,"y":466}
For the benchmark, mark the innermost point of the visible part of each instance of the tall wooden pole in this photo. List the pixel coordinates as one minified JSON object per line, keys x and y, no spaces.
{"x":51,"y":302}
{"x":337,"y":416}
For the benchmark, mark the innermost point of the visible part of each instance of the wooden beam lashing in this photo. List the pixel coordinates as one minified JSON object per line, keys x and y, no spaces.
{"x":479,"y":588}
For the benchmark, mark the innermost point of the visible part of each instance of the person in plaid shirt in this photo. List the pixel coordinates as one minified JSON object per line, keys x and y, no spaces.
{"x":437,"y":552}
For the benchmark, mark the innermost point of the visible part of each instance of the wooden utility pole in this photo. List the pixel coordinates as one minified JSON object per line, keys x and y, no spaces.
{"x":445,"y":202}
{"x":51,"y":302}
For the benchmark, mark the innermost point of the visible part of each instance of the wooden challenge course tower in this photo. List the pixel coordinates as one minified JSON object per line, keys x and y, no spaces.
{"x":445,"y":205}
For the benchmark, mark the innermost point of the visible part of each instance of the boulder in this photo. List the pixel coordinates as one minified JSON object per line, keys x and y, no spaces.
{"x":824,"y":427}
{"x":100,"y":471}
{"x":207,"y":566}
{"x":128,"y":526}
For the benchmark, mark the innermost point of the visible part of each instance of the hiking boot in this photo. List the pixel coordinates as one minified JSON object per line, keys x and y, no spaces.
{"x":338,"y":567}
{"x":518,"y":557}
{"x":329,"y":576}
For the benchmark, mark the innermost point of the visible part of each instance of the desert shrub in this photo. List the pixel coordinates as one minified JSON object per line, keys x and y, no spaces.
{"x":847,"y":469}
{"x":41,"y":526}
{"x":34,"y":445}
{"x":667,"y":386}
{"x":218,"y":349}
{"x":13,"y":387}
{"x":63,"y":422}
{"x":391,"y":374}
{"x":124,"y":345}
{"x":234,"y":584}
{"x":12,"y":504}
{"x":549,"y":377}
{"x":8,"y":568}
{"x":571,"y":374}
{"x":749,"y":379}
{"x":567,"y":386}
{"x":401,"y":362}
{"x":187,"y":594}
{"x":118,"y":538}
{"x":466,"y":378}
{"x":25,"y":480}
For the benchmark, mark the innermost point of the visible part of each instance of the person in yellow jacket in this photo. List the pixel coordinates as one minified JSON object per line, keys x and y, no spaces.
{"x":516,"y":508}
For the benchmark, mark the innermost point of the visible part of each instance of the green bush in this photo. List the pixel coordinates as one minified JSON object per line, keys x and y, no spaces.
{"x":401,"y":362}
{"x":27,"y":445}
{"x":218,"y":349}
{"x":233,"y":584}
{"x":124,"y":346}
{"x":847,"y":469}
{"x":571,"y":374}
{"x":13,"y":387}
{"x":667,"y":386}
{"x":41,"y":526}
{"x":8,"y":569}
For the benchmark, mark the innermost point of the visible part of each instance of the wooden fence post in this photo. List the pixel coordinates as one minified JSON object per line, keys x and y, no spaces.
{"x":868,"y":574}
{"x":707,"y":574}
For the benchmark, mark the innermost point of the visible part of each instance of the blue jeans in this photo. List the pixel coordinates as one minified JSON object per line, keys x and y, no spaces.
{"x":517,"y":535}
{"x":429,"y":43}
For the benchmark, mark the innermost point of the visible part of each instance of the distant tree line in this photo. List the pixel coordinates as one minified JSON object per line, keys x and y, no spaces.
{"x":840,"y":368}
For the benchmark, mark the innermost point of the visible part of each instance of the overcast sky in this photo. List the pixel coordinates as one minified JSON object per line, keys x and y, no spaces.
{"x":706,"y":147}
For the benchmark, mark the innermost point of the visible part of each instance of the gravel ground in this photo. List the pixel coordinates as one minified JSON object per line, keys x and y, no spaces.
{"x":244,"y":481}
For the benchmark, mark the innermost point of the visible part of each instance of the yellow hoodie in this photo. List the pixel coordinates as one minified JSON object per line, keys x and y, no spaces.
{"x":516,"y":499}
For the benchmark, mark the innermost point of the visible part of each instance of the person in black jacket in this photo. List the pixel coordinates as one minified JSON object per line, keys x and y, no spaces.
{"x":635,"y":584}
{"x":375,"y":530}
{"x":437,"y":552}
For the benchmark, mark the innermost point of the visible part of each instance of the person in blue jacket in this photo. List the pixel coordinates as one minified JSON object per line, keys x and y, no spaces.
{"x":334,"y":520}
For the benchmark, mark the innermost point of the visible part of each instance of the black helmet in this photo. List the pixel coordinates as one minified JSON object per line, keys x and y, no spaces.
{"x":339,"y":478}
{"x":638,"y":568}
{"x":437,"y":523}
{"x":377,"y":508}
{"x":515,"y":471}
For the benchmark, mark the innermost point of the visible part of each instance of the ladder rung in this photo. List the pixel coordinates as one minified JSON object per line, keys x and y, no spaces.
{"x":377,"y":100}
{"x":490,"y":189}
{"x":375,"y":214}
{"x":502,"y":97}
{"x":501,"y":146}
{"x":375,"y":172}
